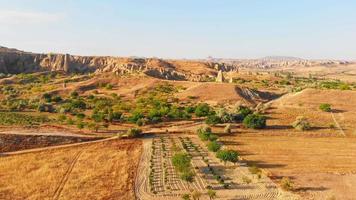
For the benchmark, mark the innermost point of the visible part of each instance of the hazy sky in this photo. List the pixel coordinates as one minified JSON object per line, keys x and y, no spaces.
{"x":182,"y":28}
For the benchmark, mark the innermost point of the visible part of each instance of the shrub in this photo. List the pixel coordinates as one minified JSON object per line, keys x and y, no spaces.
{"x":301,"y":124}
{"x":244,"y":111}
{"x":325,"y":107}
{"x":255,"y":121}
{"x":214,"y":146}
{"x":80,"y":124}
{"x":133,"y":132}
{"x":286,"y":184}
{"x":74,"y":94}
{"x":227,"y":155}
{"x":94,"y":126}
{"x":187,"y":176}
{"x":186,"y":196}
{"x":108,"y":86}
{"x":212,"y":120}
{"x":62,"y":118}
{"x":80,"y":116}
{"x":205,"y":134}
{"x":189,"y":109}
{"x":202,"y":110}
{"x":47,"y":97}
{"x":57,"y":99}
{"x":136,"y":115}
{"x":181,"y":161}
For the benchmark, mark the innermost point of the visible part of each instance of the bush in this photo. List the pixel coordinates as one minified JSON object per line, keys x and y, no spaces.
{"x":133,"y":132}
{"x":80,"y":124}
{"x":325,"y":107}
{"x":136,"y":115}
{"x":227,"y":155}
{"x":301,"y":124}
{"x":202,"y":110}
{"x":62,"y":118}
{"x":187,"y":176}
{"x":214,"y":146}
{"x":186,"y":196}
{"x":181,"y":161}
{"x":205,"y":134}
{"x":255,"y":121}
{"x":108,"y":86}
{"x":286,"y":184}
{"x":212,"y":120}
{"x":74,"y":94}
{"x":244,"y":111}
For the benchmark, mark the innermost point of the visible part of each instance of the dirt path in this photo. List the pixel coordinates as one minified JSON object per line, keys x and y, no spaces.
{"x":65,"y":177}
{"x":338,"y":125}
{"x":45,"y":133}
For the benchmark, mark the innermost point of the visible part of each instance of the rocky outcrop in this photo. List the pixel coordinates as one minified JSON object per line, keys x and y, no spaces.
{"x":13,"y":61}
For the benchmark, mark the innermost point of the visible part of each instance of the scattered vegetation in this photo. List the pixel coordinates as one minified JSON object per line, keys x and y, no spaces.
{"x":301,"y":124}
{"x":19,"y":119}
{"x":228,"y":156}
{"x":325,"y":107}
{"x":255,"y":121}
{"x":182,"y":164}
{"x":286,"y":184}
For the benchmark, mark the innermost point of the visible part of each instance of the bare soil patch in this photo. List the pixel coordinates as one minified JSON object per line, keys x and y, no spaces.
{"x":13,"y":142}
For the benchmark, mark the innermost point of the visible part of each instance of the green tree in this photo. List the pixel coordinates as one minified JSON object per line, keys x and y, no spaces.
{"x":227,"y":155}
{"x":325,"y":107}
{"x":255,"y":121}
{"x":214,"y":146}
{"x":202,"y":110}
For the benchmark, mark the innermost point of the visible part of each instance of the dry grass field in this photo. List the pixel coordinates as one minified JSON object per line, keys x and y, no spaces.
{"x":319,"y":161}
{"x":103,"y":170}
{"x":320,"y":167}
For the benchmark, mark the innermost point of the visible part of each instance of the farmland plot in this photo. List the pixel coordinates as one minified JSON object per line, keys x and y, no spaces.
{"x":157,"y":178}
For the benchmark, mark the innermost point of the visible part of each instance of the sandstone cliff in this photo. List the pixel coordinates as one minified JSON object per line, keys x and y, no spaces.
{"x":13,"y":61}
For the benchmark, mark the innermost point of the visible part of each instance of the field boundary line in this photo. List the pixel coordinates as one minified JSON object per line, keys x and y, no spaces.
{"x":54,"y":147}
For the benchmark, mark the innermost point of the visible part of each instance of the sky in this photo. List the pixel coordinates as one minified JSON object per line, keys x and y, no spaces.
{"x":313,"y":29}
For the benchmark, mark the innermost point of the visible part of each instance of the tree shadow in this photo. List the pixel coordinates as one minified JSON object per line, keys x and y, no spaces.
{"x":337,"y":111}
{"x":280,"y":127}
{"x":232,"y":143}
{"x":262,"y":164}
{"x":315,"y":189}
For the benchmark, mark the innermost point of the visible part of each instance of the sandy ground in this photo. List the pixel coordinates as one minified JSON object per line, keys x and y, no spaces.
{"x":104,"y":170}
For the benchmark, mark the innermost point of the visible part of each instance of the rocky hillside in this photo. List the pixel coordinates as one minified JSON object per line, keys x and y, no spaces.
{"x":13,"y":61}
